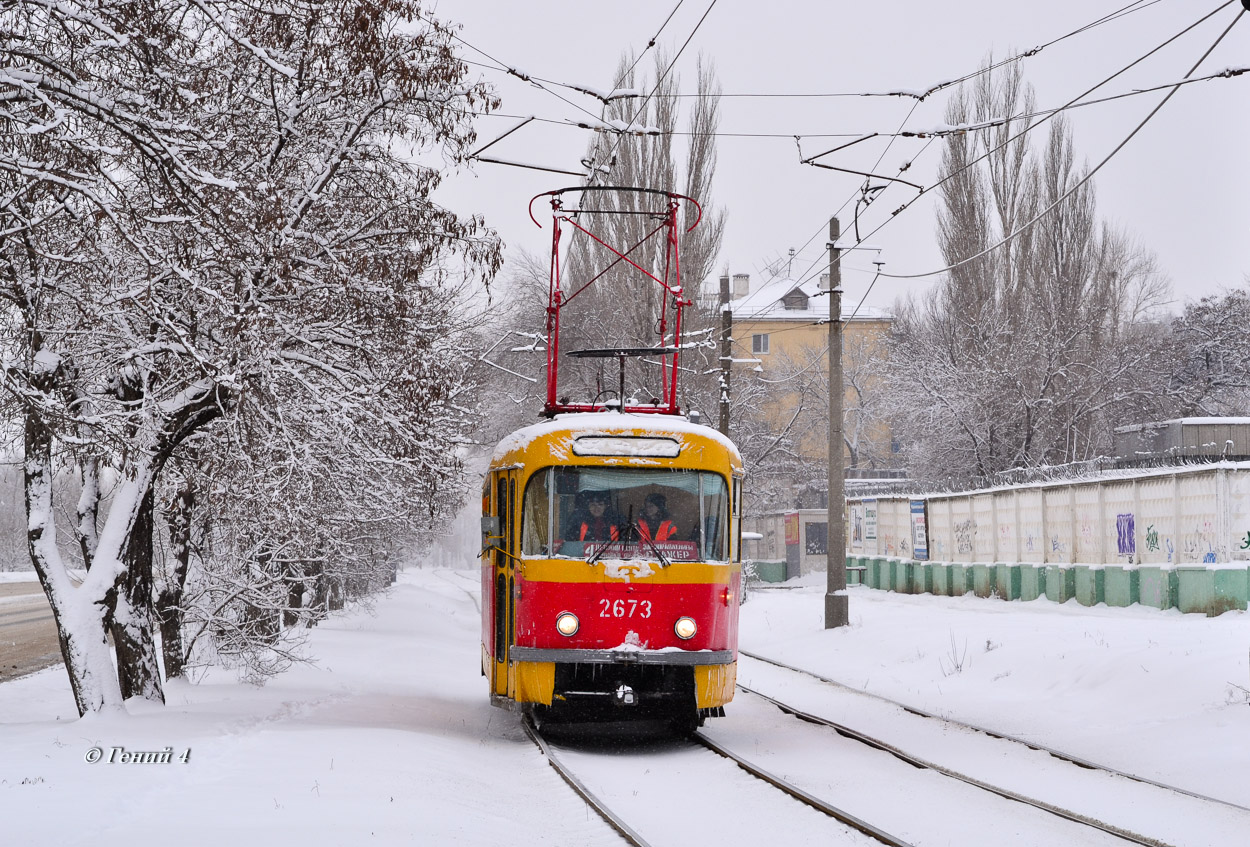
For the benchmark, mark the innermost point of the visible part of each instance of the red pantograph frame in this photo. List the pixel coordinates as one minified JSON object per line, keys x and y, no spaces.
{"x":556,"y":299}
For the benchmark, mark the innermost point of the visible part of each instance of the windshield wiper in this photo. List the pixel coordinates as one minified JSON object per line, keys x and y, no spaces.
{"x":664,"y":562}
{"x":636,"y":530}
{"x":632,"y":530}
{"x":594,"y":557}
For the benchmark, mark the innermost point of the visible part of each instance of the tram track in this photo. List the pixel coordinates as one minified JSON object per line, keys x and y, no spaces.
{"x":603,"y":777}
{"x":915,"y":761}
{"x":632,"y":832}
{"x":1080,"y":762}
{"x":611,"y":818}
{"x":699,"y":740}
{"x":802,"y":796}
{"x":1100,"y":798}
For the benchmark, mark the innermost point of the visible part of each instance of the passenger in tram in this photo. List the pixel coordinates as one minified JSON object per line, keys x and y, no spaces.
{"x":655,"y":523}
{"x":595,"y":519}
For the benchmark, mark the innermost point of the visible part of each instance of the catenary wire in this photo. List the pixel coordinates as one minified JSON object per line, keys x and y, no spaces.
{"x":503,"y":65}
{"x":939,"y":132}
{"x":807,"y":274}
{"x":1088,"y":176}
{"x":1123,"y":11}
{"x":950,"y":176}
{"x":603,"y":111}
{"x":537,"y":81}
{"x":1112,"y":16}
{"x":810,"y":273}
{"x":658,"y":82}
{"x":1227,"y":73}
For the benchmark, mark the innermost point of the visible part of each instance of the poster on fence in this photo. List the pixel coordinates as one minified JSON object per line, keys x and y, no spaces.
{"x":792,"y":528}
{"x":857,"y":526}
{"x":919,"y":532}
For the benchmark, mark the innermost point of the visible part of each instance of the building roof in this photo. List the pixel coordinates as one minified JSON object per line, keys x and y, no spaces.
{"x":767,"y":303}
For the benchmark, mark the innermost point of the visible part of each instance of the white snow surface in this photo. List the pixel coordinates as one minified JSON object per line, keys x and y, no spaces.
{"x":389,"y":738}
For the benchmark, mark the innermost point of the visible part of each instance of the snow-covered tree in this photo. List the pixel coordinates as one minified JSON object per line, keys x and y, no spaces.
{"x":1034,"y":352}
{"x":1211,"y":356}
{"x":219,"y":210}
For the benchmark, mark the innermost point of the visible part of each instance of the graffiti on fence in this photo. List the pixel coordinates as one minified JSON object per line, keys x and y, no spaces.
{"x":965,"y":534}
{"x":1199,"y":545}
{"x":1125,"y":534}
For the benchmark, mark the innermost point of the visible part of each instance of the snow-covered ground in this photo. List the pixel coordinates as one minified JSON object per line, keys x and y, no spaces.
{"x":389,"y":738}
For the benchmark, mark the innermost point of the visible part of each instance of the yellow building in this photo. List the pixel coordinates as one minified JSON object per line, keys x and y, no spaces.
{"x":781,"y":335}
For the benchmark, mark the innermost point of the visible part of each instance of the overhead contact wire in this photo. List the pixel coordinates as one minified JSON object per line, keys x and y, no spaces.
{"x":1025,"y":227}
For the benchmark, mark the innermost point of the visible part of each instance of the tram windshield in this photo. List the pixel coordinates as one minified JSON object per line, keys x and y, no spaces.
{"x":621,"y":513}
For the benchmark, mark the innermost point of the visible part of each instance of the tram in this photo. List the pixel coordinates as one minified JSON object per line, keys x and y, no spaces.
{"x":611,"y":555}
{"x":593,"y":627}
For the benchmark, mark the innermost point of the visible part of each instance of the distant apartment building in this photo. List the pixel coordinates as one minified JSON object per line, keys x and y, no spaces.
{"x":781,"y":332}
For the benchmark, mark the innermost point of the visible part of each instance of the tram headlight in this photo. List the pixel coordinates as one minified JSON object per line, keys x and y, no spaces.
{"x":685,"y":628}
{"x":567,"y":624}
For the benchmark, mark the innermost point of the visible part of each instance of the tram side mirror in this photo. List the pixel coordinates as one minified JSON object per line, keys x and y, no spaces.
{"x":490,"y":529}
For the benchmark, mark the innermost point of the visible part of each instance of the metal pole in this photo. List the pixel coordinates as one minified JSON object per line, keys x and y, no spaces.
{"x":837,"y":612}
{"x":726,"y":352}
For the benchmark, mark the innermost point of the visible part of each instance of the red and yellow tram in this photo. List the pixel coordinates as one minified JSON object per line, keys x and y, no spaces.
{"x":589,"y":608}
{"x":610,"y":565}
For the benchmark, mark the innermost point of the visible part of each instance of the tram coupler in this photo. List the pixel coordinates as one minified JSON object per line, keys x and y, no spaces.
{"x":624,"y":696}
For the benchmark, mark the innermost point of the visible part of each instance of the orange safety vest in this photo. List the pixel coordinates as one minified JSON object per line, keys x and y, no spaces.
{"x":612,"y":532}
{"x":664,"y":533}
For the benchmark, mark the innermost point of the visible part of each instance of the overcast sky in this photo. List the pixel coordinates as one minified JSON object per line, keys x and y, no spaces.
{"x":1181,"y":186}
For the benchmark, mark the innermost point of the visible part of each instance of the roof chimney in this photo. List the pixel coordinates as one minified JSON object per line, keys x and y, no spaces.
{"x":742,"y":285}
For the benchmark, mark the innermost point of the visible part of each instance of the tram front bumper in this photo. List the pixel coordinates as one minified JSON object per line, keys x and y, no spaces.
{"x":622,"y":657}
{"x":543,"y":675}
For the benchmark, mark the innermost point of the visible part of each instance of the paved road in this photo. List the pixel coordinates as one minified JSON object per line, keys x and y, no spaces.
{"x":28,"y":639}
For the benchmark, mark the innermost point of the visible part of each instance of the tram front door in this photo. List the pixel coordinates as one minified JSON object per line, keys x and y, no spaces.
{"x":503,"y":555}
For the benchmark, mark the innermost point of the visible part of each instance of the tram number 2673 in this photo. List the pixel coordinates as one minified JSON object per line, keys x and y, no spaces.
{"x":624,"y":608}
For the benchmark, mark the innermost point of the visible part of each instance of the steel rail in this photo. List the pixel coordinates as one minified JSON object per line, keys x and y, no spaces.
{"x":578,"y":786}
{"x":802,"y":796}
{"x":754,"y":770}
{"x":1007,"y":794}
{"x":1033,"y":745}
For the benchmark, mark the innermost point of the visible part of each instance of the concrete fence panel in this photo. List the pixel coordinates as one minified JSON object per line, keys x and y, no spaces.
{"x":1032,"y":526}
{"x":1156,"y":521}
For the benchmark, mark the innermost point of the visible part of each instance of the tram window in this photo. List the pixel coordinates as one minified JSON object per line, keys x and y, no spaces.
{"x":682,"y":513}
{"x":714,"y":509}
{"x":535,"y":522}
{"x":512,"y":508}
{"x":736,"y":538}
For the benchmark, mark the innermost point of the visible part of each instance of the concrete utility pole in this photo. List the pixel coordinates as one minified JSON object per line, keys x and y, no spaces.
{"x":837,"y":611}
{"x":726,"y":352}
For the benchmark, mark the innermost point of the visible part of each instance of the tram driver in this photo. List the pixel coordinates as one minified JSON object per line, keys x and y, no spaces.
{"x":595,"y":519}
{"x":656,"y":524}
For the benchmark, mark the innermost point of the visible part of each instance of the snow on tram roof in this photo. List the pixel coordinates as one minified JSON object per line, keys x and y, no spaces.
{"x":609,"y":423}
